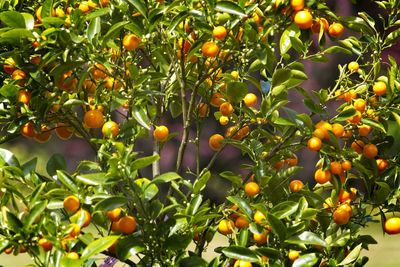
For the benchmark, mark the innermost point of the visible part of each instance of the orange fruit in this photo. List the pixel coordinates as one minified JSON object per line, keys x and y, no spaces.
{"x":226,"y":227}
{"x":110,"y":129}
{"x":322,"y":176}
{"x":226,"y":109}
{"x":75,"y":230}
{"x":98,"y":71}
{"x":358,"y":146}
{"x":320,"y":133}
{"x":293,"y":255}
{"x":45,"y":244}
{"x":392,"y":226}
{"x":44,"y":135}
{"x":259,"y":217}
{"x":242,"y":263}
{"x":251,"y":189}
{"x":336,"y":30}
{"x":342,"y":214}
{"x":28,"y":130}
{"x":338,"y":129}
{"x":35,"y":59}
{"x":112,"y":84}
{"x":9,"y":65}
{"x":84,"y":7}
{"x":292,"y":161}
{"x":314,"y":144}
{"x":161,"y":133}
{"x":243,"y":132}
{"x":131,"y":42}
{"x":303,"y":19}
{"x":210,"y":49}
{"x":113,"y":215}
{"x":250,"y":100}
{"x":347,"y":134}
{"x":24,"y":96}
{"x":359,"y":104}
{"x":66,"y":82}
{"x":353,"y":66}
{"x":336,"y":167}
{"x":219,"y":32}
{"x":350,"y":95}
{"x":382,"y":164}
{"x":297,"y":5}
{"x":73,"y":255}
{"x":346,"y":165}
{"x":63,"y":131}
{"x":18,"y":75}
{"x":317,"y":23}
{"x":370,"y":151}
{"x":127,"y":225}
{"x":115,"y":227}
{"x":241,"y":222}
{"x":9,"y":250}
{"x":223,"y":120}
{"x":364,"y":129}
{"x":344,"y":196}
{"x":203,"y":109}
{"x":296,"y":186}
{"x":379,"y":88}
{"x":278,"y":165}
{"x":93,"y":119}
{"x":262,"y":238}
{"x":356,"y":118}
{"x":83,"y":214}
{"x":215,"y":142}
{"x":216,"y":99}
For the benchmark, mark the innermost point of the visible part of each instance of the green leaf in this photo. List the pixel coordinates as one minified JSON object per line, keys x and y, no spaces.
{"x":12,"y":19}
{"x":35,"y":212}
{"x":114,"y":31}
{"x":9,"y":91}
{"x":93,"y":28}
{"x":15,"y":36}
{"x":374,"y":124}
{"x":308,"y":238}
{"x":149,"y":190}
{"x":200,"y":183}
{"x":98,"y":246}
{"x":66,"y":180}
{"x":98,"y":13}
{"x":193,"y":261}
{"x":240,"y":253}
{"x":47,"y":8}
{"x":141,"y":117}
{"x":285,"y":42}
{"x":392,"y":37}
{"x":195,"y":204}
{"x":278,"y":228}
{"x":144,"y":162}
{"x":306,"y":260}
{"x":243,"y":237}
{"x":97,"y":178}
{"x":242,"y":204}
{"x":345,"y":114}
{"x":232,"y":177}
{"x":337,"y":49}
{"x":178,"y":241}
{"x":29,"y":21}
{"x":166,"y":178}
{"x":110,"y":203}
{"x":129,"y":247}
{"x":13,"y":223}
{"x":73,"y":102}
{"x":269,"y":252}
{"x":236,"y":91}
{"x":230,"y":8}
{"x":8,"y":157}
{"x":352,"y":256}
{"x":139,"y":6}
{"x":280,"y":77}
{"x":285,"y":209}
{"x":56,"y":162}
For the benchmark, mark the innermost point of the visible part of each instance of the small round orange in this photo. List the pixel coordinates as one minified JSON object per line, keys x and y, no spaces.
{"x":219,"y":32}
{"x":322,"y":176}
{"x":127,"y":225}
{"x":131,"y":42}
{"x":297,"y":5}
{"x":346,"y":165}
{"x":226,"y":109}
{"x":114,"y":214}
{"x":314,"y":144}
{"x":320,"y":133}
{"x":370,"y":151}
{"x":353,"y":66}
{"x":75,"y":230}
{"x":44,"y":135}
{"x":338,"y":129}
{"x":85,"y":215}
{"x":241,"y":222}
{"x":358,"y":146}
{"x":73,"y":255}
{"x":296,"y":185}
{"x":303,"y":19}
{"x":216,"y":99}
{"x":293,"y":255}
{"x":382,"y":164}
{"x":292,"y":161}
{"x":336,"y":29}
{"x":259,"y":217}
{"x":203,"y":110}
{"x":242,"y":263}
{"x":110,"y":129}
{"x":63,"y":131}
{"x":226,"y":227}
{"x":28,"y":130}
{"x":210,"y":49}
{"x":71,"y":204}
{"x":215,"y":142}
{"x":24,"y":96}
{"x":250,"y":100}
{"x":18,"y":75}
{"x":360,"y":104}
{"x":223,"y":120}
{"x":317,"y":23}
{"x":251,"y":189}
{"x":379,"y":88}
{"x":336,"y":167}
{"x":261,"y":239}
{"x":93,"y":118}
{"x":161,"y":133}
{"x":392,"y":226}
{"x":342,"y":214}
{"x":45,"y":244}
{"x":364,"y":129}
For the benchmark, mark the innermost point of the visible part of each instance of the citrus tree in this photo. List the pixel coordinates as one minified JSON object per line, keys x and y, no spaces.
{"x":118,"y":73}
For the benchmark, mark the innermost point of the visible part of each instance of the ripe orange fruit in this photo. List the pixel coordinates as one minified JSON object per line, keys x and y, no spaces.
{"x":216,"y":99}
{"x":75,"y":230}
{"x":35,"y":59}
{"x":322,"y":176}
{"x":131,"y":42}
{"x":320,"y":133}
{"x":98,"y":71}
{"x":28,"y":130}
{"x":112,"y":84}
{"x":210,"y":49}
{"x":24,"y":96}
{"x":370,"y":151}
{"x":344,"y":196}
{"x":223,"y":120}
{"x":161,"y":133}
{"x":379,"y":88}
{"x":293,"y":255}
{"x":356,"y":118}
{"x":66,"y":82}
{"x":353,"y":66}
{"x":45,"y":244}
{"x":93,"y":118}
{"x":382,"y":164}
{"x":44,"y":135}
{"x":242,"y":263}
{"x":392,"y":226}
{"x":110,"y":129}
{"x":241,"y":222}
{"x":203,"y":109}
{"x":259,"y":217}
{"x":63,"y":131}
{"x":215,"y":142}
{"x":297,"y":5}
{"x":251,"y":189}
{"x":338,"y":129}
{"x":262,"y":238}
{"x":359,"y":104}
{"x":226,"y":109}
{"x":18,"y":75}
{"x":89,"y":86}
{"x":127,"y":225}
{"x":250,"y":100}
{"x":314,"y":144}
{"x":342,"y":214}
{"x":336,"y":30}
{"x":346,"y":165}
{"x":113,"y":215}
{"x":317,"y":23}
{"x":219,"y":32}
{"x":303,"y":19}
{"x":358,"y":146}
{"x":115,"y":227}
{"x":296,"y":186}
{"x":226,"y":227}
{"x":243,"y":132}
{"x":364,"y":129}
{"x":336,"y":167}
{"x":84,"y":215}
{"x":9,"y":65}
{"x":292,"y":161}
{"x":9,"y":250}
{"x":73,"y":255}
{"x":350,"y":95}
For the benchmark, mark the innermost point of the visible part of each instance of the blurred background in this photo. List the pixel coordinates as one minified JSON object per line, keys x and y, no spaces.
{"x":321,"y":75}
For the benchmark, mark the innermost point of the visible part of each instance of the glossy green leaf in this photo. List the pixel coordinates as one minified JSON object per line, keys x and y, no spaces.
{"x":236,"y":91}
{"x":8,"y":157}
{"x":200,"y":183}
{"x":269,"y":252}
{"x":144,"y":162}
{"x":141,"y":117}
{"x":193,"y":261}
{"x":96,"y":178}
{"x":240,"y":253}
{"x":128,"y":247}
{"x":12,"y":19}
{"x":166,"y":178}
{"x":36,"y":212}
{"x":56,"y":162}
{"x":93,"y":28}
{"x":140,"y":6}
{"x":345,"y":114}
{"x":67,"y":181}
{"x":13,"y":223}
{"x":285,"y":42}
{"x":306,"y":260}
{"x":98,"y":246}
{"x":242,"y":204}
{"x":232,"y":177}
{"x":277,"y":225}
{"x":374,"y":124}
{"x":308,"y":238}
{"x":285,"y":209}
{"x":110,"y":203}
{"x":352,"y":256}
{"x":230,"y":8}
{"x":337,"y":49}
